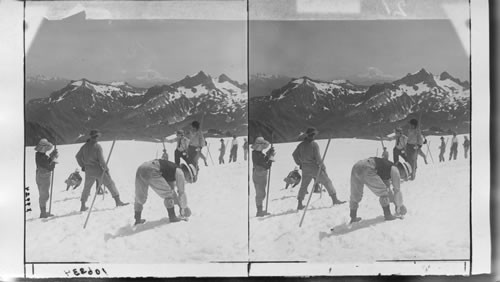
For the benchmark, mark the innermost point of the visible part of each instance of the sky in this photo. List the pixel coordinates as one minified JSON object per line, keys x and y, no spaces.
{"x":339,"y":49}
{"x":118,"y":50}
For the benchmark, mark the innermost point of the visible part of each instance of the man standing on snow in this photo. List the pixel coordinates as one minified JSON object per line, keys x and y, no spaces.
{"x":466,"y":146}
{"x":442,"y":149}
{"x":307,"y":157}
{"x":44,"y":168}
{"x":163,"y":177}
{"x":400,"y":146}
{"x":91,"y":159}
{"x":377,"y":174}
{"x":196,"y":143}
{"x":222,"y":150}
{"x":234,"y":149}
{"x":181,"y":150}
{"x":261,"y":164}
{"x":415,"y":141}
{"x":454,"y":147}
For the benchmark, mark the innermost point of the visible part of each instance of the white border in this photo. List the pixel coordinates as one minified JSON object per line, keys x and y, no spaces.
{"x":12,"y":141}
{"x":12,"y":169}
{"x":480,"y":139}
{"x":373,"y":269}
{"x":136,"y":270}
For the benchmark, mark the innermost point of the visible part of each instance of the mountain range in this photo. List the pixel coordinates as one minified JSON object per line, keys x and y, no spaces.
{"x":123,"y":111}
{"x":342,"y":109}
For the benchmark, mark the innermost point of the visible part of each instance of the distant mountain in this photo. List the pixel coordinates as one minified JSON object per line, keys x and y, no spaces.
{"x":262,"y":85}
{"x":343,"y":109}
{"x":39,"y":86}
{"x":127,"y":112}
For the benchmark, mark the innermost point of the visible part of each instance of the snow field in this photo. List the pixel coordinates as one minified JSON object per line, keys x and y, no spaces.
{"x":216,"y":231}
{"x":435,"y":227}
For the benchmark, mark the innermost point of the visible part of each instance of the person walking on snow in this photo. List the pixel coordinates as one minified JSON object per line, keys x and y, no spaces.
{"x":233,"y":154}
{"x":400,"y":145}
{"x":196,"y":143}
{"x":44,"y":168}
{"x":307,"y":157}
{"x":245,"y":149}
{"x":415,"y":141}
{"x":163,"y":177}
{"x":377,"y":174}
{"x":466,"y":146}
{"x":181,"y":150}
{"x":454,"y":147}
{"x":222,"y":150}
{"x":261,"y":164}
{"x":91,"y":159}
{"x":74,"y":179}
{"x":442,"y":149}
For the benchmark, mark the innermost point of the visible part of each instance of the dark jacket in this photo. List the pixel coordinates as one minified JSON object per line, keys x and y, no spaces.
{"x":167,"y":169}
{"x":44,"y":162}
{"x":383,"y":168}
{"x":260,"y":160}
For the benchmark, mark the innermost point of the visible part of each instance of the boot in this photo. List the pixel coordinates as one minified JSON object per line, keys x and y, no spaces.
{"x":83,"y":207}
{"x":336,"y":201}
{"x":44,"y":213}
{"x":387,"y":213}
{"x":354,"y":217}
{"x":300,"y":206}
{"x":171,"y":215}
{"x":138,"y":219}
{"x":260,"y":212}
{"x":118,"y":202}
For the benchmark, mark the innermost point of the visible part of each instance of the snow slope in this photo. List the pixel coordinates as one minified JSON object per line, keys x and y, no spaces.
{"x":436,"y":226}
{"x":216,"y":231}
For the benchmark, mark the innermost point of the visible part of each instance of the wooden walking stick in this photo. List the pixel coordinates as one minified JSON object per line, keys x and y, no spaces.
{"x":52,"y":179}
{"x":98,"y":185}
{"x":269,"y":175}
{"x":315,"y":181}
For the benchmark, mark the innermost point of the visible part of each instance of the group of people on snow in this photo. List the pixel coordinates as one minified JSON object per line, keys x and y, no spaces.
{"x":233,"y":152}
{"x":380,"y":175}
{"x":166,"y":178}
{"x":376,"y":173}
{"x":453,"y":148}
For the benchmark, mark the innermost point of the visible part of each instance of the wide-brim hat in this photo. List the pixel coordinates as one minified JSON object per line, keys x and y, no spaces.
{"x":311,"y":131}
{"x":260,"y":144}
{"x":94,"y":133}
{"x":180,"y":132}
{"x":43,"y":146}
{"x":442,"y":138}
{"x":404,"y":170}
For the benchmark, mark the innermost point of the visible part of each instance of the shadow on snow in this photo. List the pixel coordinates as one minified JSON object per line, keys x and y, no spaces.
{"x":345,"y":228}
{"x":129,"y":230}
